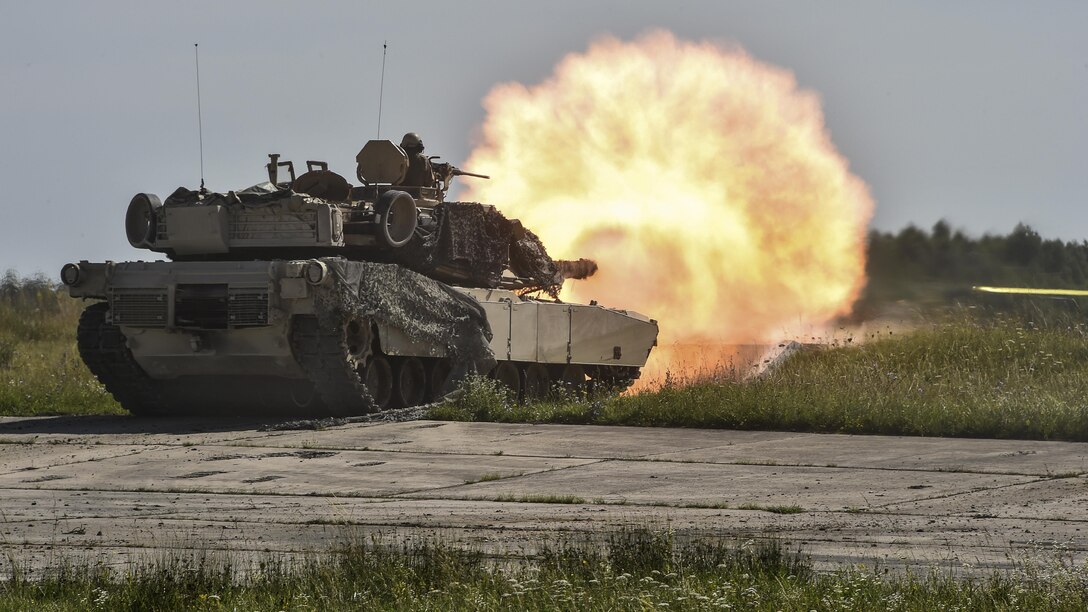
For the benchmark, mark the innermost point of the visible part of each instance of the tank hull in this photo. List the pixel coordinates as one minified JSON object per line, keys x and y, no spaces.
{"x":331,"y":336}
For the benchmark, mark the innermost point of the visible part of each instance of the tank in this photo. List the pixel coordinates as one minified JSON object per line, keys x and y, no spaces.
{"x":312,"y":296}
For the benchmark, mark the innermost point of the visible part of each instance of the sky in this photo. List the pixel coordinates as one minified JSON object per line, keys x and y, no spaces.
{"x":973,"y":111}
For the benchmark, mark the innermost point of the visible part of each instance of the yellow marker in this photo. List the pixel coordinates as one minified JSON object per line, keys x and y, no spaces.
{"x":1031,"y":291}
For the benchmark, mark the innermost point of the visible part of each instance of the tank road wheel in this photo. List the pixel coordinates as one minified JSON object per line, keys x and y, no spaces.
{"x":358,"y":338}
{"x":507,"y":373}
{"x":378,"y":377}
{"x":440,"y":372}
{"x":538,"y":382}
{"x":410,"y":382}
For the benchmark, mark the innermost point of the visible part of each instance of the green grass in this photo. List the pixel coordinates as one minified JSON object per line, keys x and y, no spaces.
{"x":962,"y":378}
{"x":633,"y":569}
{"x":40,"y":369}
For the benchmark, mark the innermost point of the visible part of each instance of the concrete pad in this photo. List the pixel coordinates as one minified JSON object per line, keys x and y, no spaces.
{"x":220,"y":469}
{"x":667,"y":483}
{"x":900,"y":453}
{"x":1058,"y":499}
{"x":22,"y":462}
{"x":109,"y":492}
{"x":242,"y":528}
{"x":589,"y":441}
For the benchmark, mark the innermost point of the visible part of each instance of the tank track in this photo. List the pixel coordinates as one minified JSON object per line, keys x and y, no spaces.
{"x":323,"y":353}
{"x":103,"y":349}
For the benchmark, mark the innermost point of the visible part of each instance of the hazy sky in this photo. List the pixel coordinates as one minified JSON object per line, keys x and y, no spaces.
{"x":972,"y":111}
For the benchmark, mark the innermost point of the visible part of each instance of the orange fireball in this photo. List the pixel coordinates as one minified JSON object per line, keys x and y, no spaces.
{"x":702,"y":181}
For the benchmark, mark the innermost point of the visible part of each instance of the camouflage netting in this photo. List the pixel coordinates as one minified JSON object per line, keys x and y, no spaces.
{"x":262,"y":194}
{"x":474,"y":243}
{"x":529,"y":259}
{"x":426,"y":310}
{"x":476,"y":237}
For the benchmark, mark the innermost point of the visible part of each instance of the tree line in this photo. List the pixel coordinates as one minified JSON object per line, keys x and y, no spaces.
{"x":1020,"y":258}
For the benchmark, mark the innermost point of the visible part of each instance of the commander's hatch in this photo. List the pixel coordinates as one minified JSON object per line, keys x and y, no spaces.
{"x":381,"y":161}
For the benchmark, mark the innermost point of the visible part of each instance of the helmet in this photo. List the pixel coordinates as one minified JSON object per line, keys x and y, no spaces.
{"x":411,"y":140}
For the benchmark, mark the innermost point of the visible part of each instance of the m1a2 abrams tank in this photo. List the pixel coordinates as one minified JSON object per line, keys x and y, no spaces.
{"x":312,"y":296}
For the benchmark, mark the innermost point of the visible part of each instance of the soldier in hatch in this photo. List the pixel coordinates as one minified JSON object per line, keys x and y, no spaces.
{"x":420,"y":173}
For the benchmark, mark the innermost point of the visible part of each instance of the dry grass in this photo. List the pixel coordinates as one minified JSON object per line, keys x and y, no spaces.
{"x":40,"y":368}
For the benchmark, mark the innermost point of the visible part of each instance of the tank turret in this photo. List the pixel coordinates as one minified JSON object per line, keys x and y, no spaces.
{"x":320,"y":214}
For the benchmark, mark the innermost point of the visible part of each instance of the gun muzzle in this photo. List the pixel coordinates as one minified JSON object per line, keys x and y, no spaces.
{"x":463,"y":173}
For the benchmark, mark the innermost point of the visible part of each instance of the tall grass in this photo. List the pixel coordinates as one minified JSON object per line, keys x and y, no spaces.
{"x":636,"y":569}
{"x":996,"y":378}
{"x":40,"y":368}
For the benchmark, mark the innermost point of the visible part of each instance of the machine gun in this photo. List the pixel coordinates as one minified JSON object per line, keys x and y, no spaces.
{"x":444,"y":173}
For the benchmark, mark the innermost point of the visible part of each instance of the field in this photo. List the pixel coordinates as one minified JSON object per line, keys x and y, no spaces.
{"x":40,"y":368}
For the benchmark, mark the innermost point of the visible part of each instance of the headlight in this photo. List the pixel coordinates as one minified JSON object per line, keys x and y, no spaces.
{"x":140,"y":219}
{"x":70,"y":274}
{"x":315,"y":272}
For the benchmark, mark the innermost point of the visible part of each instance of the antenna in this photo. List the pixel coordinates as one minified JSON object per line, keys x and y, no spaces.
{"x":199,"y":119}
{"x":381,"y":88}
